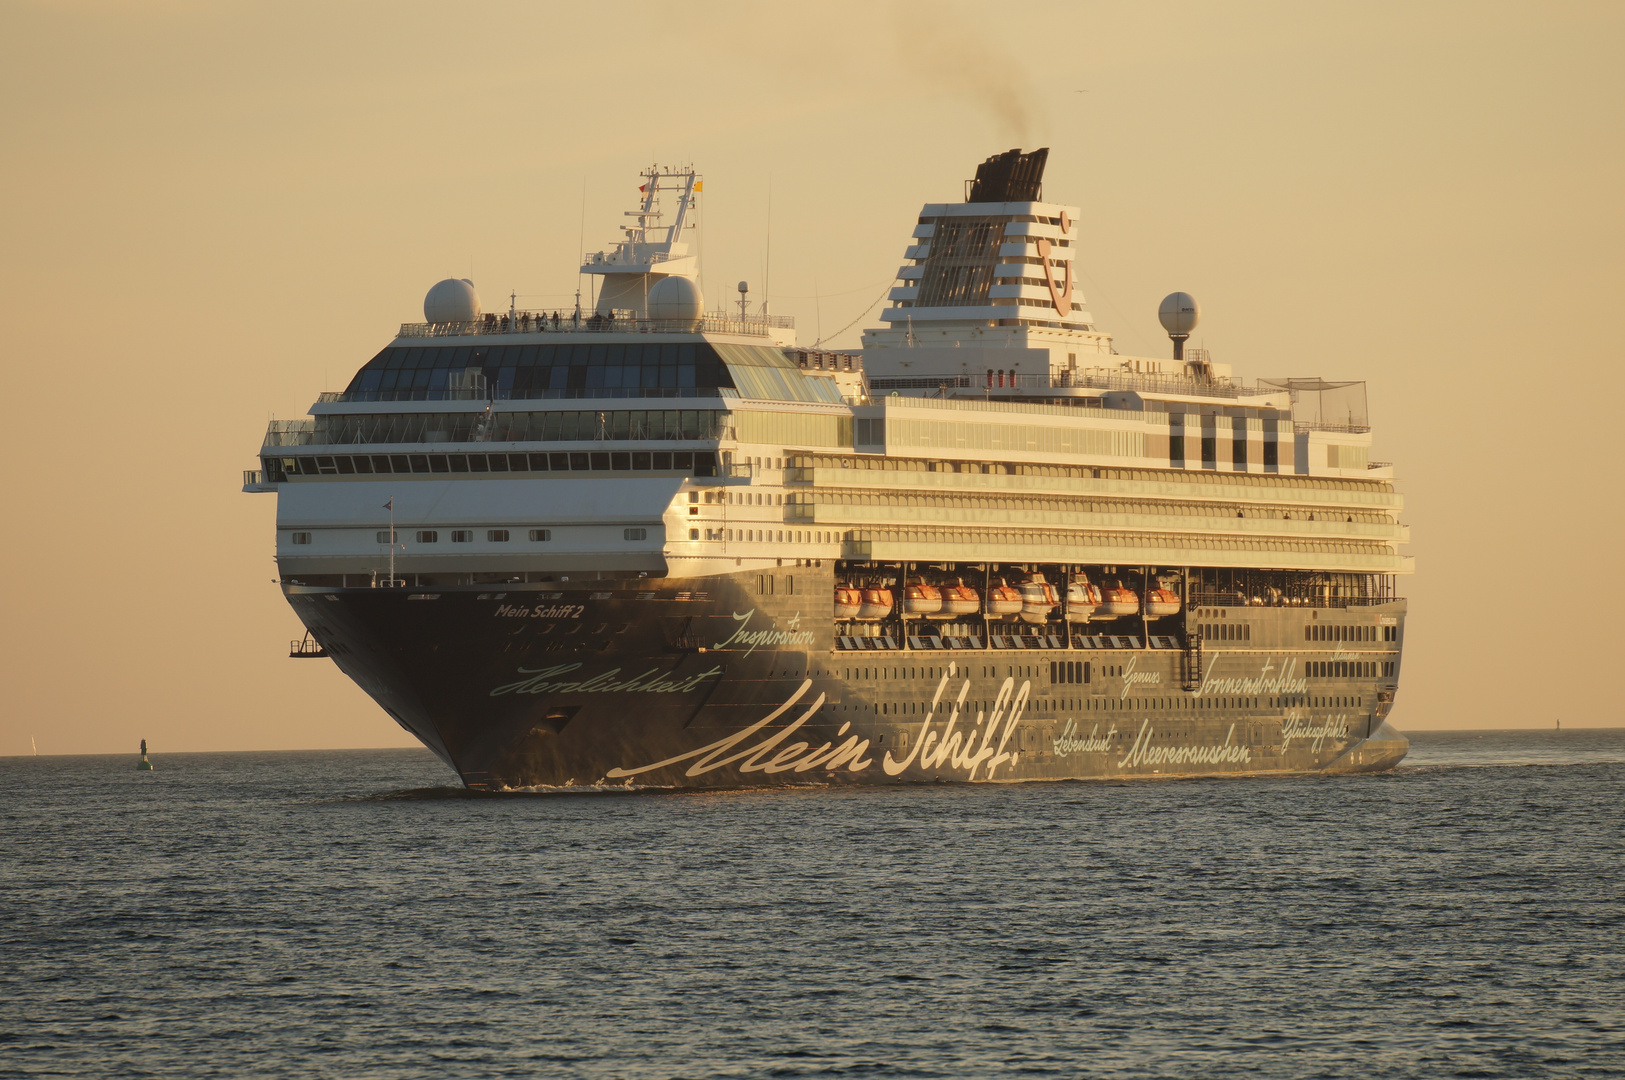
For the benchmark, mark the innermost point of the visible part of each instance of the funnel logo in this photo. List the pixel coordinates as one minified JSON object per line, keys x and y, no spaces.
{"x":1062,"y":293}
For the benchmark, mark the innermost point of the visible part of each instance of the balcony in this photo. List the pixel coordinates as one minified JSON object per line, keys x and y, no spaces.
{"x":254,"y":480}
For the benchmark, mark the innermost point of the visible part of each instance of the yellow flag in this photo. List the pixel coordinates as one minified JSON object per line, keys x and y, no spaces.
{"x":699,"y":185}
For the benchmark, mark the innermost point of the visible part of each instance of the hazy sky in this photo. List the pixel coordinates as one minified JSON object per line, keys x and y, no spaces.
{"x":209,"y":212}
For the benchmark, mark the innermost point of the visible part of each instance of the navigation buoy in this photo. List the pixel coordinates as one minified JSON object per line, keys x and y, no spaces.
{"x":143,"y":765}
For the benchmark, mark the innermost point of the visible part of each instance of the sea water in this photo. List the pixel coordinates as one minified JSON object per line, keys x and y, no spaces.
{"x":356,"y":914}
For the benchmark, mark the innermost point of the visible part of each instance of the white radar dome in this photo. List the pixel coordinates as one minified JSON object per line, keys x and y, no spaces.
{"x":1179,"y":313}
{"x":676,"y":298}
{"x":452,"y":300}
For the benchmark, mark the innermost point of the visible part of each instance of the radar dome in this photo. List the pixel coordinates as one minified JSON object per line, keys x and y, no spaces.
{"x":450,"y":301}
{"x":676,"y":298}
{"x":1179,"y":313}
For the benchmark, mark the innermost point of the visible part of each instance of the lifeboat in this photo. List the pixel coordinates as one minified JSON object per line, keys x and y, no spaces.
{"x":1003,"y":600}
{"x":960,"y":599}
{"x":847,"y":602}
{"x":1118,"y":599}
{"x":1160,"y":602}
{"x":1038,"y":599}
{"x":876,"y":605}
{"x":922,"y":599}
{"x":1082,"y":599}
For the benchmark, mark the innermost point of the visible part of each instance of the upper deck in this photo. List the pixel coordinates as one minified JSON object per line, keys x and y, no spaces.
{"x":987,"y":441}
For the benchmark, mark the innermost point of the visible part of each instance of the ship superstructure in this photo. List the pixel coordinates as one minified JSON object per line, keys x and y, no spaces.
{"x":655,"y":545}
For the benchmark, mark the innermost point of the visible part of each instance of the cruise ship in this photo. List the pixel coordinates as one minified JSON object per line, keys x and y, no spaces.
{"x":649,"y":544}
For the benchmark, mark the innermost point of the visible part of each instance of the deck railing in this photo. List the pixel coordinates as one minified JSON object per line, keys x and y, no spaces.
{"x":567,"y":394}
{"x":542,"y":322}
{"x":1230,"y":599}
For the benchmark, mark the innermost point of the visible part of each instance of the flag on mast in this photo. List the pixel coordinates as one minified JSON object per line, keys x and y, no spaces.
{"x":390,"y":505}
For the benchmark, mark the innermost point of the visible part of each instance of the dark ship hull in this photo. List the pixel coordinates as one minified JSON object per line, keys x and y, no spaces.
{"x":717,"y":682}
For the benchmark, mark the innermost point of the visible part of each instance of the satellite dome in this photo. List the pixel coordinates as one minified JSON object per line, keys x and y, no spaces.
{"x":676,"y":298}
{"x":1179,"y":313}
{"x":451,"y":301}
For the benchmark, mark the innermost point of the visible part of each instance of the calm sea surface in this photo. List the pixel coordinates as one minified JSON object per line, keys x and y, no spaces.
{"x":352,"y":914}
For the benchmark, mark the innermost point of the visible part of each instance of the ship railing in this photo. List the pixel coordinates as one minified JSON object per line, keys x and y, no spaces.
{"x":566,"y":394}
{"x":290,"y":433}
{"x":1083,"y":380}
{"x":543,"y":322}
{"x":993,"y":382}
{"x":1301,"y":426}
{"x":391,"y":429}
{"x":1230,"y":599}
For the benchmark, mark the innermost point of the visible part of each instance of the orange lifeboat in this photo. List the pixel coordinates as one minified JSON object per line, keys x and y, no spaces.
{"x":1118,"y":599}
{"x":847,"y":602}
{"x":1161,"y":602}
{"x":1038,"y":599}
{"x":877,"y":604}
{"x":1082,"y":599}
{"x":1002,"y":600}
{"x":922,"y":599}
{"x":960,"y":599}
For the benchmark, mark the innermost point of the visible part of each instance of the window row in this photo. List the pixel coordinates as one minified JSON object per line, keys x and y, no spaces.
{"x":1350,"y":669}
{"x":1084,"y":472}
{"x":1271,"y":460}
{"x":459,"y":536}
{"x":598,"y":425}
{"x":696,"y":463}
{"x":1079,"y":505}
{"x":1333,"y":632}
{"x":1070,"y":671}
{"x":544,"y":366}
{"x":520,"y":370}
{"x":1138,"y":541}
{"x":771,"y":536}
{"x":1236,"y":631}
{"x":512,"y":382}
{"x":594,"y":354}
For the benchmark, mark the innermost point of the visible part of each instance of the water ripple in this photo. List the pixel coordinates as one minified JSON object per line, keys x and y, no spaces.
{"x":354,"y":914}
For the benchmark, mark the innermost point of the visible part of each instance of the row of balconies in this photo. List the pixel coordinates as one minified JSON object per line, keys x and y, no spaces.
{"x":1229,"y":488}
{"x":853,"y":515}
{"x":1011,"y":228}
{"x":1060,"y":250}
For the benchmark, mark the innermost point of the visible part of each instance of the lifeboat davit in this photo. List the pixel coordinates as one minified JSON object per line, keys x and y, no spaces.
{"x":960,"y":599}
{"x":876,"y":605}
{"x":1160,"y":602}
{"x":1082,"y":599}
{"x":1116,"y":600}
{"x":1003,"y":600}
{"x":847,"y":602}
{"x":1038,"y":599}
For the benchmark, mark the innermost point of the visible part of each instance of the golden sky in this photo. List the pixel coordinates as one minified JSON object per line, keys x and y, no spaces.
{"x":209,"y":212}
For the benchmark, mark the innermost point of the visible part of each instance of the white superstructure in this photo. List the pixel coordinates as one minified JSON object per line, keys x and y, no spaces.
{"x":988,"y":420}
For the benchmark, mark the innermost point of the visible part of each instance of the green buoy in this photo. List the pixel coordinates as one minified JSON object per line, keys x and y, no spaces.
{"x":143,"y":765}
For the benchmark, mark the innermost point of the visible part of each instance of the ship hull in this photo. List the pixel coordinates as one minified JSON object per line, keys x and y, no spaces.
{"x":707,"y":683}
